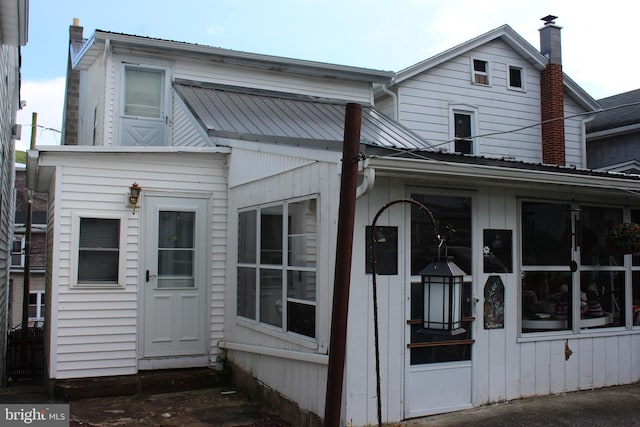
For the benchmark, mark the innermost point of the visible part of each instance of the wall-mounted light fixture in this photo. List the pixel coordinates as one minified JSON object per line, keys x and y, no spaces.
{"x":134,"y":196}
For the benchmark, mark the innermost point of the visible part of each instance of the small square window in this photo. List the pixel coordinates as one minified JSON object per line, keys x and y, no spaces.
{"x":480,"y":72}
{"x":99,"y":251}
{"x":515,"y":78}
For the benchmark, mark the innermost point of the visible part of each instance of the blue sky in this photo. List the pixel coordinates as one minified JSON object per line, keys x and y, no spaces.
{"x":386,"y":35}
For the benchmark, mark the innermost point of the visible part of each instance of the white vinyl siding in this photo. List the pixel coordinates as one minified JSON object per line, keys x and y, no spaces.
{"x":107,"y":72}
{"x":298,"y":380}
{"x":95,"y":331}
{"x":424,"y":101}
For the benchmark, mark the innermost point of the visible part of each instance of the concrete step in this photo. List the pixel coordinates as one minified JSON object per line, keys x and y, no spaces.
{"x":145,"y":382}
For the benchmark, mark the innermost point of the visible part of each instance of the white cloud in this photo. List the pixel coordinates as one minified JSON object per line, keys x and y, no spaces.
{"x":44,"y":97}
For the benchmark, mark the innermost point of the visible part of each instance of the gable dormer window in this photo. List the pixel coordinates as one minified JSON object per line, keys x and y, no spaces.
{"x":480,"y":71}
{"x":515,"y":76}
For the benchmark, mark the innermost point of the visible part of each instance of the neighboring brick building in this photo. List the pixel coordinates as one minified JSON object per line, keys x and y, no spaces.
{"x":38,"y":254}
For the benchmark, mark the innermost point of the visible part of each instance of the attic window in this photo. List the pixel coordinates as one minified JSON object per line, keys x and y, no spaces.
{"x":480,"y":72}
{"x":516,"y":80}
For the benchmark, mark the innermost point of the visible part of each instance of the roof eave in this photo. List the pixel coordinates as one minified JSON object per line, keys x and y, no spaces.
{"x":255,"y":60}
{"x":501,"y":175}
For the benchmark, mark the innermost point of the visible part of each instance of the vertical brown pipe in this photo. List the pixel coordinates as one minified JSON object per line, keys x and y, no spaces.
{"x":342,"y":278}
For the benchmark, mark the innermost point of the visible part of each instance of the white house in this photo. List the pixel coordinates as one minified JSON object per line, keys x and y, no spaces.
{"x":14,"y":24}
{"x":230,"y":250}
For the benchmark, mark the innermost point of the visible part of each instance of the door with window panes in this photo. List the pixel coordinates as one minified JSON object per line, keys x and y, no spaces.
{"x":438,"y":363}
{"x":144,"y":116}
{"x":175,"y":276}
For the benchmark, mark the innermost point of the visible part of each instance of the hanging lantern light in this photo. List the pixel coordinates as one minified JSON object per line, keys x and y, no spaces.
{"x":442,"y":281}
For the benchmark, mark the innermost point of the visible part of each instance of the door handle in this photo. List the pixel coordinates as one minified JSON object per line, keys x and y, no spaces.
{"x":149,"y":276}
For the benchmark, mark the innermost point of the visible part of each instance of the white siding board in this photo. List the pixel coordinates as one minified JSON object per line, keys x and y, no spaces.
{"x":572,"y":366}
{"x":271,"y":80}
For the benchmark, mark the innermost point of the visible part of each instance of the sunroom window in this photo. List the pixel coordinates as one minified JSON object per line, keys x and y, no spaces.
{"x":569,"y":272}
{"x":277,"y":250}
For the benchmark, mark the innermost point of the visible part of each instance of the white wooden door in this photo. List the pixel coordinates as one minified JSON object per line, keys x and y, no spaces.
{"x":438,"y":367}
{"x":144,"y":117}
{"x":174,"y":278}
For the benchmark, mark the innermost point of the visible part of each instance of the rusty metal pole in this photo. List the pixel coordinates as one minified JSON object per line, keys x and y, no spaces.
{"x":342,"y":278}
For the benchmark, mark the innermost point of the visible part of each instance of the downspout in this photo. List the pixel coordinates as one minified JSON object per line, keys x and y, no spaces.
{"x":368,"y":181}
{"x":105,"y":72}
{"x":394,"y":96}
{"x":584,"y":139}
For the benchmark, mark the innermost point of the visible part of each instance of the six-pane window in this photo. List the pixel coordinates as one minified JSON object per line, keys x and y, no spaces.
{"x":277,"y":250}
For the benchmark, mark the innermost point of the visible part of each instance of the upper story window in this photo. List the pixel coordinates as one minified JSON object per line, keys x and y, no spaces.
{"x":277,"y":250}
{"x":462,"y":129}
{"x":515,"y":77}
{"x":143,"y":92}
{"x":17,"y":252}
{"x":480,"y":71}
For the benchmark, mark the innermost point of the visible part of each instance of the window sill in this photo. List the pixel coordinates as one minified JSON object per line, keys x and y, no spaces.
{"x":288,"y":337}
{"x":585,"y":333}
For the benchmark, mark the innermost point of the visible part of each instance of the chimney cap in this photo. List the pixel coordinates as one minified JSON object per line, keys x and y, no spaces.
{"x":549,"y":19}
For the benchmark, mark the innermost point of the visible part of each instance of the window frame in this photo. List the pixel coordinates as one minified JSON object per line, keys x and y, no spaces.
{"x":40,"y":306}
{"x":284,"y":268}
{"x":472,"y":112}
{"x":520,"y":88}
{"x":164,"y":76}
{"x":75,"y":251}
{"x":22,"y":240}
{"x":577,"y":325}
{"x":481,"y":74}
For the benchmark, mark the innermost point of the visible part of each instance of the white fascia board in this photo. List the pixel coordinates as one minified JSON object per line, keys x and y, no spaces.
{"x":248,"y":59}
{"x":502,"y":176}
{"x":280,"y":149}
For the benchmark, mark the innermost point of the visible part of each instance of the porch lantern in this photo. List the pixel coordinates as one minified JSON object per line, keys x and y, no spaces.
{"x":442,"y":282}
{"x":134,"y":195}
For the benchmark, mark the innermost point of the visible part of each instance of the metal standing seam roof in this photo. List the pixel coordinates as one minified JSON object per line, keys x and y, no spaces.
{"x":287,"y":118}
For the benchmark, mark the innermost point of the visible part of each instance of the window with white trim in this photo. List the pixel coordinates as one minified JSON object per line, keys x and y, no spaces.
{"x":36,"y":306}
{"x":277,"y":250}
{"x":99,"y":253}
{"x":462,"y":132}
{"x":480,"y":72}
{"x":17,"y":252}
{"x":515,"y":77}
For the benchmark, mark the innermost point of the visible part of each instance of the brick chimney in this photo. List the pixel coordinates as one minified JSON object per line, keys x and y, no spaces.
{"x":552,"y":94}
{"x":72,"y":90}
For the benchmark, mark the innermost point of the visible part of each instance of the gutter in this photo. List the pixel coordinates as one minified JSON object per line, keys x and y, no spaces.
{"x":499,"y":175}
{"x":319,"y":359}
{"x":394,"y":96}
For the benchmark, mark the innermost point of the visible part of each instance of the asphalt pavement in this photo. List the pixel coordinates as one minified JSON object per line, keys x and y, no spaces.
{"x":226,"y":407}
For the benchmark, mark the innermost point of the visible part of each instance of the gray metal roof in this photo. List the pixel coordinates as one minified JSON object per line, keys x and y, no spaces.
{"x":266,"y":116}
{"x":627,"y":114}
